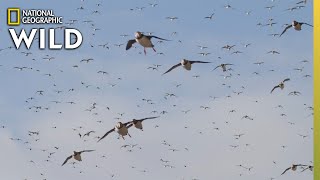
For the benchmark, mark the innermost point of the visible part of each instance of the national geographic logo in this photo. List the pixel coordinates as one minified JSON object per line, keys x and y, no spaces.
{"x":32,"y":16}
{"x":46,"y":36}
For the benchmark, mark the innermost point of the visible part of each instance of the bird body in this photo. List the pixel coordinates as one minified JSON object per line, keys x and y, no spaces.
{"x":186,"y":64}
{"x":144,"y":41}
{"x":121,"y":129}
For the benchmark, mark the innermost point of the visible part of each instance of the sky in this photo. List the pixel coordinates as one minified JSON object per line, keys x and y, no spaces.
{"x":205,"y":141}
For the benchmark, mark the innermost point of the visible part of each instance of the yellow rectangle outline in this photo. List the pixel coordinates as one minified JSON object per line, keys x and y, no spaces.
{"x":9,"y":10}
{"x":316,"y":81}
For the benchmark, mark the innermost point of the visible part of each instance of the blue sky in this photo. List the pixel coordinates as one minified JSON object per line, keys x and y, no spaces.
{"x":203,"y":138}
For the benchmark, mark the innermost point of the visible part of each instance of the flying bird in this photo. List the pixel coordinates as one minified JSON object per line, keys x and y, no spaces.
{"x":223,"y":66}
{"x":280,"y":85}
{"x":186,"y":64}
{"x":120,"y":128}
{"x":293,"y":168}
{"x":76,"y":155}
{"x":296,"y":25}
{"x":137,"y":123}
{"x":143,"y":40}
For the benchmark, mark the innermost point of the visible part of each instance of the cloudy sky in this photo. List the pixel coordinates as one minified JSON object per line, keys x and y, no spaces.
{"x":205,"y":141}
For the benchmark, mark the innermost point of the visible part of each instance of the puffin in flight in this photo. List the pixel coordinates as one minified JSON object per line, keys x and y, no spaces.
{"x":76,"y":155}
{"x":293,"y":168}
{"x":296,"y":25}
{"x":186,"y":64}
{"x":137,"y":123}
{"x":120,"y":128}
{"x":223,"y":66}
{"x":143,"y":40}
{"x":280,"y":85}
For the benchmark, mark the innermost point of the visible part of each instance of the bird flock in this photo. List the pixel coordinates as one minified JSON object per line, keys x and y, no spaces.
{"x":241,"y":107}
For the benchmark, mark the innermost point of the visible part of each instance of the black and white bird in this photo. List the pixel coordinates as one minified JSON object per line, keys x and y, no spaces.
{"x":137,"y":123}
{"x":223,"y":66}
{"x":296,"y":25}
{"x":120,"y":128}
{"x":280,"y":85}
{"x":293,"y":167}
{"x":76,"y":155}
{"x":143,"y":40}
{"x":186,"y":64}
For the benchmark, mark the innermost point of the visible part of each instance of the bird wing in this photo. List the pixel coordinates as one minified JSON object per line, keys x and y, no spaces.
{"x":65,"y":161}
{"x":305,"y":169}
{"x":301,"y":165}
{"x":216,"y":67}
{"x":177,"y":65}
{"x":86,"y":151}
{"x":306,"y":24}
{"x":129,"y":125}
{"x":147,"y":118}
{"x":286,"y":170}
{"x":288,"y":79}
{"x":228,"y":64}
{"x":274,"y":88}
{"x":106,"y":134}
{"x":149,"y":37}
{"x":285,"y":29}
{"x":129,"y":44}
{"x":191,"y":62}
{"x":125,"y":124}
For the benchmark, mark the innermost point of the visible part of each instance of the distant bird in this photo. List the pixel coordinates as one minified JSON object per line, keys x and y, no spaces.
{"x":273,"y":52}
{"x":309,"y":167}
{"x":137,"y":123}
{"x":209,"y":17}
{"x":295,"y":93}
{"x":280,"y":85}
{"x":186,"y":64}
{"x":223,"y":66}
{"x":296,"y":25}
{"x":120,"y":128}
{"x":303,"y":1}
{"x":293,"y":168}
{"x":76,"y":155}
{"x":172,"y":18}
{"x":88,"y":133}
{"x":143,"y":40}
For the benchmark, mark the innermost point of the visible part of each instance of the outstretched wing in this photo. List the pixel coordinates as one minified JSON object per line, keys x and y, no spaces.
{"x":177,"y":65}
{"x":129,"y":44}
{"x":285,"y":29}
{"x":149,"y":37}
{"x":306,"y":24}
{"x":286,"y":170}
{"x":216,"y":67}
{"x":126,"y":124}
{"x":86,"y":151}
{"x":191,"y":62}
{"x":147,"y":118}
{"x":65,"y":161}
{"x":129,"y":125}
{"x":288,"y":79}
{"x":106,"y":134}
{"x":274,"y":88}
